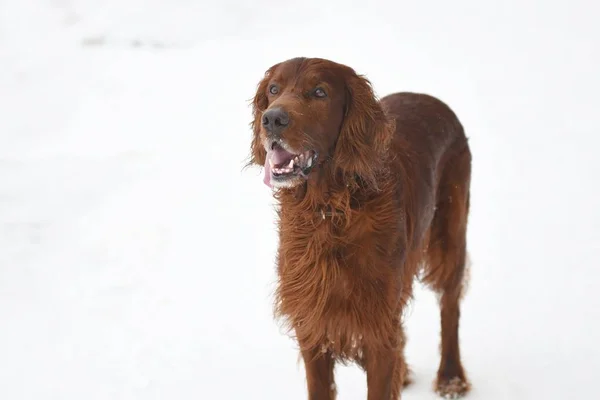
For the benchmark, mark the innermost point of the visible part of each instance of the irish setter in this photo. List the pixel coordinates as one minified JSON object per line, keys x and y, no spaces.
{"x":371,"y":195}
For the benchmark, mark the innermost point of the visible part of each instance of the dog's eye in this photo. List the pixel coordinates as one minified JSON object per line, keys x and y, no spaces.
{"x":319,"y":92}
{"x":273,"y":89}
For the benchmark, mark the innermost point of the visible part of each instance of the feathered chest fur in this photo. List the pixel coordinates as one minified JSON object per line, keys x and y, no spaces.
{"x":338,"y":272}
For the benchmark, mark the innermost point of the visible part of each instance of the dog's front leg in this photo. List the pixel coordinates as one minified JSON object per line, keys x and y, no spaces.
{"x":319,"y":374}
{"x":380,"y":366}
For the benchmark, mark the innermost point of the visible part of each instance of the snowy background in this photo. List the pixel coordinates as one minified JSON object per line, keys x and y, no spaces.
{"x":136,"y":255}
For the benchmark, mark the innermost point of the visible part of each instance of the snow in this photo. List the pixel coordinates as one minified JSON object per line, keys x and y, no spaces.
{"x":136,"y":253}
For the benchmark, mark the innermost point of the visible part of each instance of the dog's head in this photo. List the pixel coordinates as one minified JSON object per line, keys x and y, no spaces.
{"x":308,"y":111}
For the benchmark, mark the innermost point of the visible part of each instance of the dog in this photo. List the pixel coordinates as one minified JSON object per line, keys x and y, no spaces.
{"x":371,"y":195}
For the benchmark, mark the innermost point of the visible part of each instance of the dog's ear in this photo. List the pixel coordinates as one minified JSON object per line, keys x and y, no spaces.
{"x":259,"y":105}
{"x":365,"y":134}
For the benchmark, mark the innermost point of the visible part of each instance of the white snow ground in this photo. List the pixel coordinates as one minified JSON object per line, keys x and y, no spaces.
{"x":136,"y":256}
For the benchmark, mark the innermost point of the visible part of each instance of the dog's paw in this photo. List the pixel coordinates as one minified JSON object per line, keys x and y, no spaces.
{"x":453,"y":388}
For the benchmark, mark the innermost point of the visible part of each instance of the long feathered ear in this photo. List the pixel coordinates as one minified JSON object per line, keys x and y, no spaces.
{"x":365,"y":134}
{"x":259,"y":104}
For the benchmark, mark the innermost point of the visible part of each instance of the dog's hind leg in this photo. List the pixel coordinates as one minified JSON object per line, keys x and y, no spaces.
{"x":446,"y":269}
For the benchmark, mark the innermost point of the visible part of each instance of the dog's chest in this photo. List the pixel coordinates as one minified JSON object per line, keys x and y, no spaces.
{"x":332,"y":284}
{"x":341,"y":263}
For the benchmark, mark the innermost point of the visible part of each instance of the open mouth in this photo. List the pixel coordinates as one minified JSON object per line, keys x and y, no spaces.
{"x":283,"y":166}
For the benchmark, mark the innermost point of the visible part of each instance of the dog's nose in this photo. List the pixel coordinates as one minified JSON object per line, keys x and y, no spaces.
{"x":275,"y":120}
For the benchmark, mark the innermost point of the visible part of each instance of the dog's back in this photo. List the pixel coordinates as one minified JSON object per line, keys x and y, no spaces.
{"x":429,"y":141}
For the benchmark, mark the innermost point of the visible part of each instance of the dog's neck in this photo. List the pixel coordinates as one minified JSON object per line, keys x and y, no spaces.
{"x":324,"y":198}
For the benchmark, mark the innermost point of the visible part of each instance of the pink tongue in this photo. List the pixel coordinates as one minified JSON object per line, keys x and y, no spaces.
{"x":278,"y":155}
{"x":267,"y":178}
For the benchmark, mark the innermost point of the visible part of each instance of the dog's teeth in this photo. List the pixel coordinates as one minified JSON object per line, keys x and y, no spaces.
{"x":291,"y":164}
{"x":309,"y":162}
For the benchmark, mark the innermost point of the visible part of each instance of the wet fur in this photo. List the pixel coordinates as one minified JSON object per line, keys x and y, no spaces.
{"x":396,"y":177}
